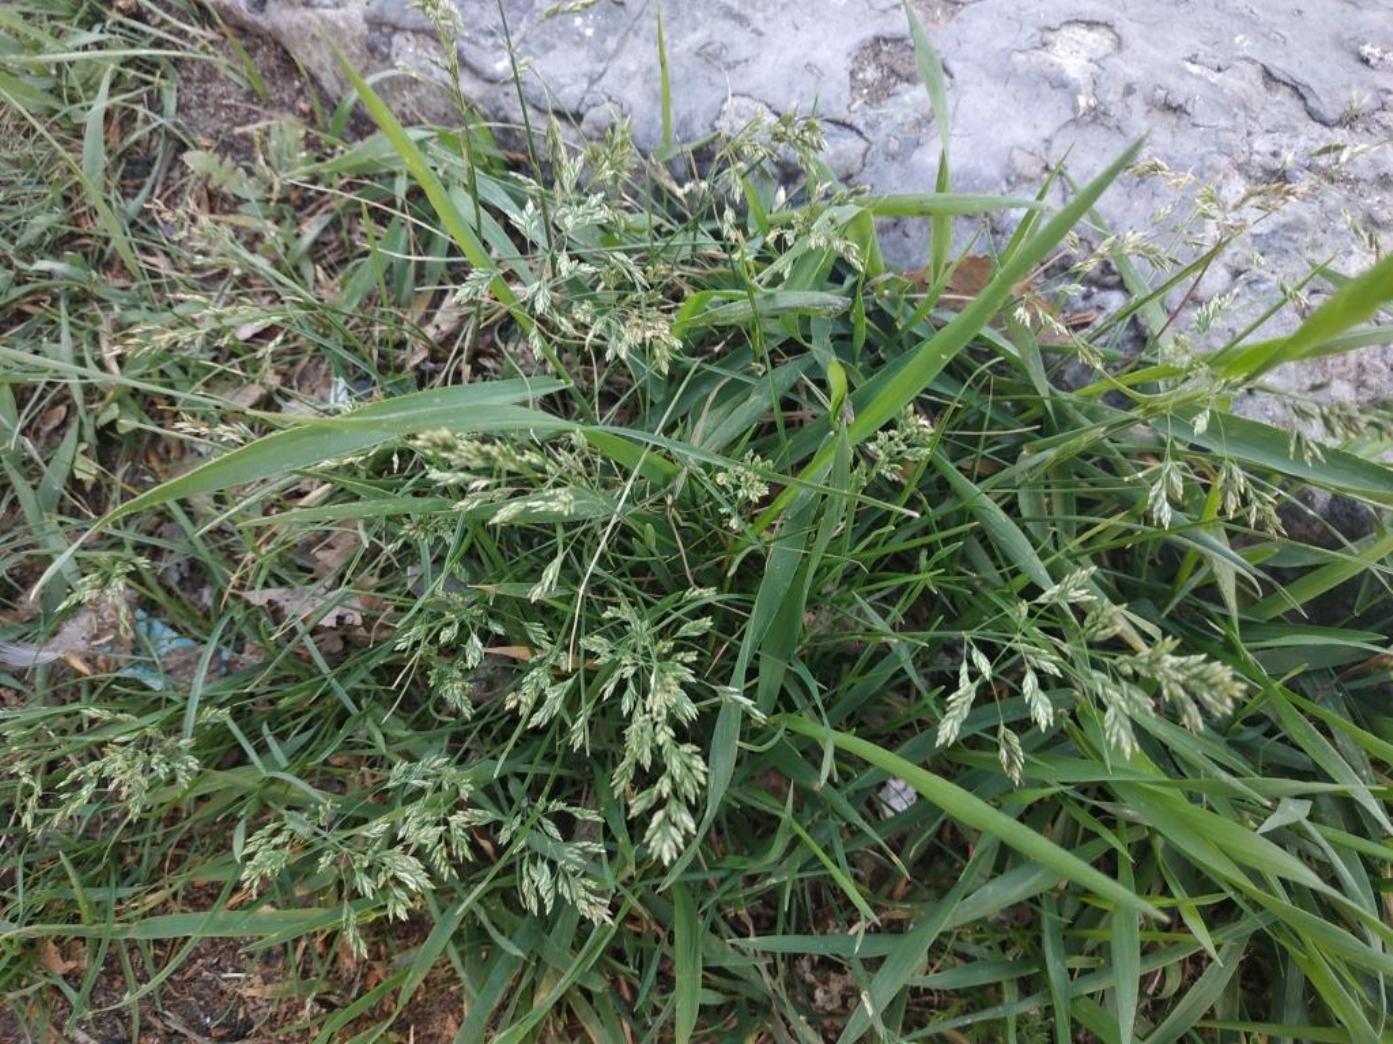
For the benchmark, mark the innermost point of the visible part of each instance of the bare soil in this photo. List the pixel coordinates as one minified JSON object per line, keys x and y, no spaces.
{"x":223,"y":106}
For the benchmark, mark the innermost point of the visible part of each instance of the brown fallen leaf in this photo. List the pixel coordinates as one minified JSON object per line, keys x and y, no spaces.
{"x":525,"y":653}
{"x":971,"y":276}
{"x":248,"y":395}
{"x":328,"y":642}
{"x":51,"y":418}
{"x":306,"y":603}
{"x":345,"y":957}
{"x":313,"y":379}
{"x":317,"y":493}
{"x":448,"y":318}
{"x":416,"y":311}
{"x":51,"y":958}
{"x":329,"y":555}
{"x":832,"y":991}
{"x":512,"y":652}
{"x":246,"y":331}
{"x":98,"y":628}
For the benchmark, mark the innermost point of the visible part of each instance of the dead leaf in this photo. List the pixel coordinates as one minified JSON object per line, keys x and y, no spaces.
{"x":313,"y":379}
{"x":248,"y":395}
{"x":512,"y":652}
{"x":446,"y":320}
{"x":93,"y":629}
{"x":246,"y":331}
{"x":329,"y":644}
{"x":78,"y":664}
{"x":525,"y":653}
{"x":108,"y":348}
{"x":304,"y":603}
{"x":833,"y":991}
{"x":331,"y":554}
{"x":51,"y":418}
{"x":417,"y":309}
{"x":51,"y":958}
{"x":317,"y":492}
{"x":971,"y":275}
{"x":373,"y":976}
{"x":345,"y":957}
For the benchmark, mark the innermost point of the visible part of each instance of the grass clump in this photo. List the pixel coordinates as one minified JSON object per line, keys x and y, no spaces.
{"x":628,"y":604}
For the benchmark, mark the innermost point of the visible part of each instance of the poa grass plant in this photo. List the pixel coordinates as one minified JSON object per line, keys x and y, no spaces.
{"x":692,"y":627}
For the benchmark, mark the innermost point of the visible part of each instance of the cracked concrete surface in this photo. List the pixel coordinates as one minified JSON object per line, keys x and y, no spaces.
{"x":1240,"y":92}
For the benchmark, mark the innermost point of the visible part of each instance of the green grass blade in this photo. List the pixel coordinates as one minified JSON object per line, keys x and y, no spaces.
{"x":287,"y":451}
{"x":482,"y":407}
{"x":1056,"y":970}
{"x":1311,"y":585}
{"x":1352,"y":304}
{"x":589,"y":954}
{"x":1005,"y":534}
{"x":456,"y":224}
{"x":780,"y":572}
{"x":1277,"y":1031}
{"x":686,"y":950}
{"x":910,"y":951}
{"x":212,"y":925}
{"x":94,"y":132}
{"x":1247,"y":356}
{"x":930,"y":204}
{"x":1263,"y":446}
{"x":839,"y":876}
{"x":1324,"y":754}
{"x":931,"y":72}
{"x":1200,"y":997}
{"x":763,"y":304}
{"x":664,"y":88}
{"x":975,"y":813}
{"x":885,"y":396}
{"x":1125,"y":948}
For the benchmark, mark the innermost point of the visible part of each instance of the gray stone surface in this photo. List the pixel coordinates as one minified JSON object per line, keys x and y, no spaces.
{"x":1239,"y":92}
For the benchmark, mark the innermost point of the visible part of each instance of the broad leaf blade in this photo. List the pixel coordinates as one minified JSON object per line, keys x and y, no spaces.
{"x":473,"y":407}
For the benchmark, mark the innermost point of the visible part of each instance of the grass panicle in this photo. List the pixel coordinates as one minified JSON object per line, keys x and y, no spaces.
{"x":605,"y":593}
